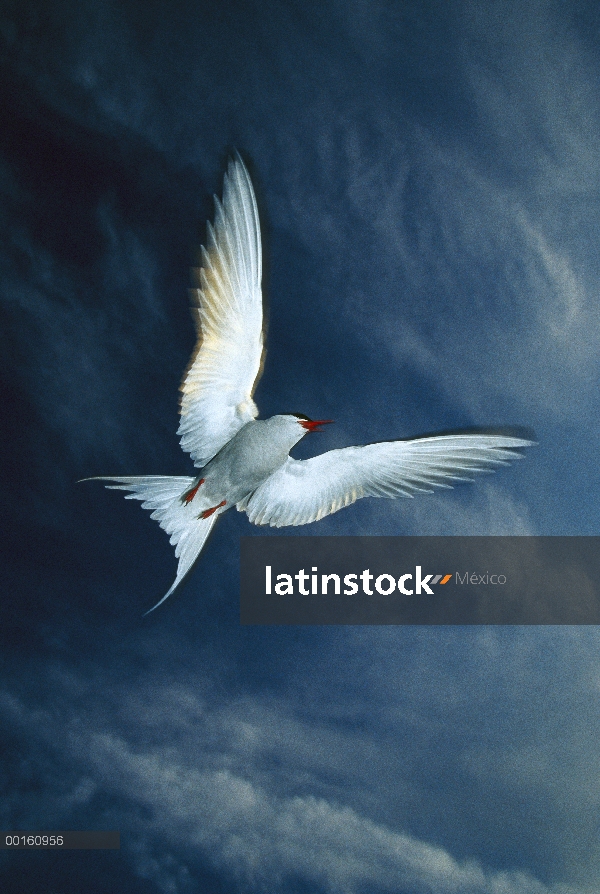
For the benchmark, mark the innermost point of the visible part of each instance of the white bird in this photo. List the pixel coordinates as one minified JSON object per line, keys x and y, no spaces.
{"x":245,"y":462}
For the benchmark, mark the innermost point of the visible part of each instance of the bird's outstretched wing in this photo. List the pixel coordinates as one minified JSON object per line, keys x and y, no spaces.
{"x":303,"y":491}
{"x":226,"y":365}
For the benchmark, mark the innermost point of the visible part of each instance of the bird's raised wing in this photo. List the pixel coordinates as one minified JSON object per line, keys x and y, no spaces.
{"x":226,"y":365}
{"x":303,"y":491}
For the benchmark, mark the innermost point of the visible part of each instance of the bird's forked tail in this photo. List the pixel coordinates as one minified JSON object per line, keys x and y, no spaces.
{"x":162,"y":495}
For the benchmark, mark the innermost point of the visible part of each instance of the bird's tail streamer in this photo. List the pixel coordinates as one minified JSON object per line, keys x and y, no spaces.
{"x":162,"y":496}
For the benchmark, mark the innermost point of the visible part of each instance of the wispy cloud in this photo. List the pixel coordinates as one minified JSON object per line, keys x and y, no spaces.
{"x":208,"y":800}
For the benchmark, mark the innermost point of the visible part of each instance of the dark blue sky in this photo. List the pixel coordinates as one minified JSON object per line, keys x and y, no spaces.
{"x":428,"y":180}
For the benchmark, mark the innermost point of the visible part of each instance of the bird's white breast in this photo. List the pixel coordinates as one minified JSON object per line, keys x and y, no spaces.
{"x":256,"y":451}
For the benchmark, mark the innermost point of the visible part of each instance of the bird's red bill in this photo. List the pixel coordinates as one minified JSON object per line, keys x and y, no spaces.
{"x":312,"y":425}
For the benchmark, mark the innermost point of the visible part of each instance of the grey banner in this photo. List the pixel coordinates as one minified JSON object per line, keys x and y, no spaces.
{"x":420,"y":580}
{"x":60,"y":841}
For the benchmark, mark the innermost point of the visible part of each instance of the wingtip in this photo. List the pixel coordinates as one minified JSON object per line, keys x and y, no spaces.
{"x":237,"y":165}
{"x":236,"y":158}
{"x":521,"y":444}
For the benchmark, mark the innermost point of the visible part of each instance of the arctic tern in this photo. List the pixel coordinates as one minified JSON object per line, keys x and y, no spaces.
{"x":244,"y":461}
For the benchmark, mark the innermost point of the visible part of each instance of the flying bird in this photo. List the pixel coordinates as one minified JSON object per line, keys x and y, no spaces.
{"x":244,"y":461}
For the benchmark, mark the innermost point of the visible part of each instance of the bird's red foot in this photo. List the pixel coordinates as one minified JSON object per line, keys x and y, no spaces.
{"x":209,"y":512}
{"x":189,"y":496}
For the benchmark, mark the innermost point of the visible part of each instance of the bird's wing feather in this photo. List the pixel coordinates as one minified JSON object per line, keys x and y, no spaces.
{"x":307,"y":490}
{"x":226,"y":365}
{"x":161,"y":495}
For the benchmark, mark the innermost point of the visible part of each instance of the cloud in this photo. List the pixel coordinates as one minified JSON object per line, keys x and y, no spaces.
{"x":255,"y":836}
{"x":489,"y":511}
{"x":486,"y":307}
{"x":266,"y":791}
{"x":267,"y":841}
